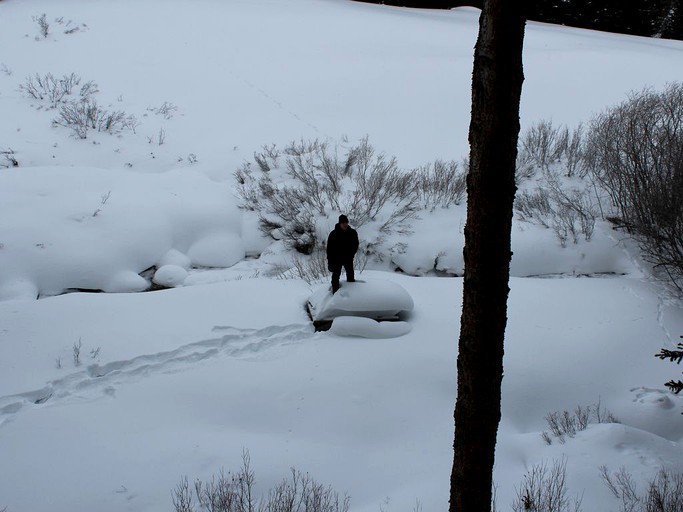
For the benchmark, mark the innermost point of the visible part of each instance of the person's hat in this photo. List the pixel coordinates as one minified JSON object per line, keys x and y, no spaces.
{"x":343,"y":219}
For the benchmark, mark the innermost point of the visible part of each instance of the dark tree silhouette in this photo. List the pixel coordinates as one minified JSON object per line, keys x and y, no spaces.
{"x":494,"y":129}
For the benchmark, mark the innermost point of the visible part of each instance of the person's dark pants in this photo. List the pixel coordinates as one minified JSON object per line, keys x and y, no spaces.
{"x":336,"y":273}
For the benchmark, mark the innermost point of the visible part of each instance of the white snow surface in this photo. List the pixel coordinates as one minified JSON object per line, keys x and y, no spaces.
{"x":108,"y":399}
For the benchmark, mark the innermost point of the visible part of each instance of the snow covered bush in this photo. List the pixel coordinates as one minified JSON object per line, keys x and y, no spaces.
{"x":633,"y":151}
{"x":43,"y":25}
{"x":298,"y":192}
{"x":7,"y":158}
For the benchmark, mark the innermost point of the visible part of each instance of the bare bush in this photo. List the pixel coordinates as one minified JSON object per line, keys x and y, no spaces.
{"x":544,"y":146}
{"x":567,"y":424}
{"x":85,"y":115}
{"x":440,"y":184}
{"x":43,"y":25}
{"x":321,"y":181}
{"x":235,"y":493}
{"x":167,"y":110}
{"x":544,"y":489}
{"x":634,"y":151}
{"x":664,"y":492}
{"x":53,"y":91}
{"x":534,"y":206}
{"x":568,"y":210}
{"x":302,"y":493}
{"x":313,"y":268}
{"x":182,"y":496}
{"x":7,"y":158}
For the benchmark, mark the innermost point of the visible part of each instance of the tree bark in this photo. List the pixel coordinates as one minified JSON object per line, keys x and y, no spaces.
{"x":494,"y":129}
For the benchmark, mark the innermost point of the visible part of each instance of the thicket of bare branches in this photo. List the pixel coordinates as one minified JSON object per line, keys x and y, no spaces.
{"x":562,"y":200}
{"x":320,"y":181}
{"x":664,"y":492}
{"x":76,"y":107}
{"x":228,"y":492}
{"x":52,"y":91}
{"x":635,"y":152}
{"x":85,"y":115}
{"x":544,"y":489}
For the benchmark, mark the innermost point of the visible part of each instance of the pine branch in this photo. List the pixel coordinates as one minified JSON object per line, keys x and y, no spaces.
{"x":671,"y":355}
{"x":675,"y":387}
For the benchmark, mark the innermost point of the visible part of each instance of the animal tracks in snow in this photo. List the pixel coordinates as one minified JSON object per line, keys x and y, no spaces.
{"x":230,"y":342}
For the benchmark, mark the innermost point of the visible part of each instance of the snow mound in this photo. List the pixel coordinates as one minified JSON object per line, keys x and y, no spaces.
{"x":97,"y":229}
{"x":217,"y":250}
{"x":374,"y":298}
{"x":368,"y":328}
{"x":170,"y":275}
{"x":175,"y":257}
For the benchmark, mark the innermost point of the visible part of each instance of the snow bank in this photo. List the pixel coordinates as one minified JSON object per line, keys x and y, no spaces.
{"x":368,"y":328}
{"x":88,"y":228}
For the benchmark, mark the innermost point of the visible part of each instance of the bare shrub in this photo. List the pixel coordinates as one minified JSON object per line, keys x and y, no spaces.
{"x":321,"y":181}
{"x":7,"y":158}
{"x":544,"y":143}
{"x":85,"y":115}
{"x":77,"y":352}
{"x":544,"y":146}
{"x":568,"y":210}
{"x":634,"y":151}
{"x":302,"y":493}
{"x":167,"y":110}
{"x":43,"y":25}
{"x":53,"y":91}
{"x":664,"y":492}
{"x":544,"y":489}
{"x":311,"y":268}
{"x":235,"y":493}
{"x":440,"y":184}
{"x":534,"y":206}
{"x":567,"y":424}
{"x":182,"y":497}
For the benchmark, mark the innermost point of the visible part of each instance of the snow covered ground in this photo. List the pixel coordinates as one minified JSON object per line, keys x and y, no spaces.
{"x":108,"y":399}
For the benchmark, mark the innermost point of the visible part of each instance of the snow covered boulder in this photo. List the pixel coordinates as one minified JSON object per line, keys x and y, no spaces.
{"x":375,"y":298}
{"x":170,"y":276}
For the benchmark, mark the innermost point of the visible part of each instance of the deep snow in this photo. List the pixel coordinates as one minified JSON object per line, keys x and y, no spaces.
{"x":179,"y":381}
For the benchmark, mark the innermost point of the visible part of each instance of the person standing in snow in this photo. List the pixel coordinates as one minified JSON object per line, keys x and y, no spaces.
{"x":342,"y":244}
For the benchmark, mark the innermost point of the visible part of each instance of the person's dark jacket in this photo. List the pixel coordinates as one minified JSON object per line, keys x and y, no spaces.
{"x":342,"y":245}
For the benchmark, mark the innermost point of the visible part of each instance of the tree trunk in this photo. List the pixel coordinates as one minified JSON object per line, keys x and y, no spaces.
{"x":494,"y":129}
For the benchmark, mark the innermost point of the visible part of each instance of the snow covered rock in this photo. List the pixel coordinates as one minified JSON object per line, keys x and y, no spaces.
{"x":375,"y":298}
{"x":125,"y":281}
{"x":170,"y":276}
